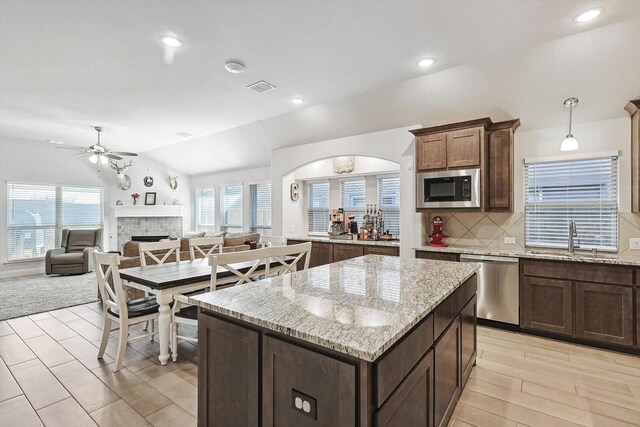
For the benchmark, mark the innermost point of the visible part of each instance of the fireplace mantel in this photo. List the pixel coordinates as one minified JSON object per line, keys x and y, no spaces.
{"x":146,"y":211}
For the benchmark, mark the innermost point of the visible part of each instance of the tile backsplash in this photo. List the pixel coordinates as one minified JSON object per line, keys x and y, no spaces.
{"x":147,"y":226}
{"x":487,"y":230}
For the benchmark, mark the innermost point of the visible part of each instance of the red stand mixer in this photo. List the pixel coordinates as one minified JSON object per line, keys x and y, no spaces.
{"x":437,"y":235}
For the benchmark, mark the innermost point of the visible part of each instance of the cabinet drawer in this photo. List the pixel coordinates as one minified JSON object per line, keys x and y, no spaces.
{"x":582,"y":272}
{"x":398,"y":361}
{"x":327,"y":384}
{"x":380,"y":250}
{"x":438,"y":256}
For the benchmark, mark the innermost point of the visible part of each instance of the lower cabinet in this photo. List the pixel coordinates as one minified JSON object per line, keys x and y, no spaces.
{"x":342,"y":252}
{"x":604,"y":313}
{"x":547,"y":305}
{"x":305,"y":388}
{"x":637,"y":317}
{"x":412,"y":403}
{"x":469,"y":342}
{"x":381,"y":250}
{"x":438,"y":256}
{"x":448,"y":377}
{"x":321,"y":253}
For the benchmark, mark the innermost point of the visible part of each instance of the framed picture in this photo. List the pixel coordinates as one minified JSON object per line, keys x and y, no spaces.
{"x":149,"y":198}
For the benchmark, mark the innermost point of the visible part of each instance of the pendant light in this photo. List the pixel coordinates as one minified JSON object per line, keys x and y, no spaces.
{"x":570,"y":143}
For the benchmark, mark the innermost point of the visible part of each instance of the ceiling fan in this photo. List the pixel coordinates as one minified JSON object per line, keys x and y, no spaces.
{"x":98,"y":153}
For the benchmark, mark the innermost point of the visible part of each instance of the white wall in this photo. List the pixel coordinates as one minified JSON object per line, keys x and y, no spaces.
{"x":244,"y":177}
{"x":593,"y":137}
{"x":394,"y":145}
{"x":41,"y":163}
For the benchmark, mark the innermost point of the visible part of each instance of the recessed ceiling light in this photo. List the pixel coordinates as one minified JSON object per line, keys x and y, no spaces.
{"x":297,"y":101}
{"x":427,"y":62}
{"x":588,"y":15}
{"x":171,"y":41}
{"x":53,"y":141}
{"x":234,"y":66}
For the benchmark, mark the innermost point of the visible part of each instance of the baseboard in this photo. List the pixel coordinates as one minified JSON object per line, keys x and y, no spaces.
{"x":21,"y":272}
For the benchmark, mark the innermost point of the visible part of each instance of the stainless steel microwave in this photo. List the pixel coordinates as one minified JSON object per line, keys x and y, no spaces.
{"x":449,"y":189}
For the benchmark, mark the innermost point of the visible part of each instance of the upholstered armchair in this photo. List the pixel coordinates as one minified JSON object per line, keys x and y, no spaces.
{"x":74,"y":257}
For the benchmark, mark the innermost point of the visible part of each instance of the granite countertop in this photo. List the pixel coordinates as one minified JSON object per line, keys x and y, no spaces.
{"x":359,"y":307}
{"x":600,"y":258}
{"x":392,"y":244}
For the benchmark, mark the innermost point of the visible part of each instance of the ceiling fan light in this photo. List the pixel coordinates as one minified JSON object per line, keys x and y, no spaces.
{"x":104,"y":160}
{"x":569,"y":144}
{"x":93,"y":159}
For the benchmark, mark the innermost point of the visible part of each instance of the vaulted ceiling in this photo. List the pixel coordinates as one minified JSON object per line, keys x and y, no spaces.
{"x":66,"y":66}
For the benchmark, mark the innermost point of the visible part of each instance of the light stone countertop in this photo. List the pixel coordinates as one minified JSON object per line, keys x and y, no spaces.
{"x":542,"y":254}
{"x":392,"y":243}
{"x":359,"y":307}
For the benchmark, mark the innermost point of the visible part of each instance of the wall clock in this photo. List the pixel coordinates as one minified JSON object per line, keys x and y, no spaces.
{"x":148,"y":181}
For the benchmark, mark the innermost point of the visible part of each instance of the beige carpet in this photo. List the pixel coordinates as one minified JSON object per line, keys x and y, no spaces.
{"x":26,"y":295}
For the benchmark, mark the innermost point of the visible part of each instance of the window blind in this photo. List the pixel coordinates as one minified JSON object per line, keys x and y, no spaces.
{"x":583,"y":190}
{"x":389,"y":202}
{"x":231,"y":205}
{"x":36,"y":215}
{"x":206,"y":209}
{"x":352,"y":198}
{"x":318,"y":207}
{"x":261,"y":208}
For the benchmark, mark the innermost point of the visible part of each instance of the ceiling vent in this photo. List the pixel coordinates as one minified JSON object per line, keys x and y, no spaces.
{"x":261,"y":86}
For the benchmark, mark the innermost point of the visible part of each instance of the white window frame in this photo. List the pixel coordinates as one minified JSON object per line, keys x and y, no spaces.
{"x":560,"y":235}
{"x":262,"y":229}
{"x":358,"y":212}
{"x":196,"y":214}
{"x":385,"y":208}
{"x":308,"y":209}
{"x":223,"y":225}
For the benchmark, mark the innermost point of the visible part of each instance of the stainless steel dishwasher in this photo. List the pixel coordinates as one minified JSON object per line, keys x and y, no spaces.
{"x":497,"y":287}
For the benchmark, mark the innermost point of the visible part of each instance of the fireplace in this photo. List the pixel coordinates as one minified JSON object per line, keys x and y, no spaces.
{"x":148,"y":238}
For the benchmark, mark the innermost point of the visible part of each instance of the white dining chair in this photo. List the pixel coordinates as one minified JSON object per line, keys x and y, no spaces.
{"x":116,"y":308}
{"x":257,"y":263}
{"x":160,"y":252}
{"x":209,"y":244}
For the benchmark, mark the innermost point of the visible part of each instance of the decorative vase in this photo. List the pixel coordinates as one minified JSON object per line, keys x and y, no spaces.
{"x":135,"y":201}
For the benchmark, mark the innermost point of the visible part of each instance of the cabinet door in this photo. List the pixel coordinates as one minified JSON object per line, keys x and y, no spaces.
{"x":463,"y":148}
{"x":228,"y":376}
{"x":469,"y":342}
{"x":447,"y":373}
{"x":548,"y":305}
{"x":343,"y":251}
{"x":325,"y":386}
{"x":604,"y":313}
{"x":431,"y":152}
{"x":380,"y":250}
{"x":637,"y":317}
{"x":439,"y":256}
{"x":499,"y":171}
{"x":412,"y":402}
{"x":321,"y":254}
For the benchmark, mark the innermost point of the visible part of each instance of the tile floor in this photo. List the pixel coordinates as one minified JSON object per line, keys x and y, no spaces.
{"x":49,"y":375}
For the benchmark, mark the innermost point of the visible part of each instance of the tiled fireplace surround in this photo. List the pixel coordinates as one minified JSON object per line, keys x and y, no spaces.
{"x":147,"y":226}
{"x":487,"y":230}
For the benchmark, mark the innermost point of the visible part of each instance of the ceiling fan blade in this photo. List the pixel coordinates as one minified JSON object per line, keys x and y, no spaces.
{"x":112,"y":156}
{"x":71,"y":148}
{"x":123,"y":153}
{"x":83,"y":154}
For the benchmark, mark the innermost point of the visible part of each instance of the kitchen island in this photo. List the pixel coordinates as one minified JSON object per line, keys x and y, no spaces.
{"x":374,"y":340}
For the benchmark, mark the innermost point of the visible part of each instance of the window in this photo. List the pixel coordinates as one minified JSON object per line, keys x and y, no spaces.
{"x":318,"y":207}
{"x":583,"y":190}
{"x":206,"y":209}
{"x":389,"y":202}
{"x":352,"y":198}
{"x":260,"y":195}
{"x":36,"y":215}
{"x":231,"y":206}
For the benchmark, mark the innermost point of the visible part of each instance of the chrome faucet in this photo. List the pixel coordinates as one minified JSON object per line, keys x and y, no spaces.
{"x":573,"y":232}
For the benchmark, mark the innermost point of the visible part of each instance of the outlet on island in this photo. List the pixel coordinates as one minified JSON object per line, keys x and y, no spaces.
{"x":509,"y":240}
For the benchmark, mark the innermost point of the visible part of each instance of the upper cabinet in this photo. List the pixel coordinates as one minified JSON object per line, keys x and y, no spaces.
{"x":473,"y":144}
{"x":633,"y":108}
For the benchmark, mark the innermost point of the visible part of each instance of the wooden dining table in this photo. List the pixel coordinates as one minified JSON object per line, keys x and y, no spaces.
{"x":165,"y":280}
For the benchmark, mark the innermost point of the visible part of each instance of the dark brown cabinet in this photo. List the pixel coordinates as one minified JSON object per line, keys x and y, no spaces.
{"x":604,"y":313}
{"x":463,"y":148}
{"x":469,"y":340}
{"x":637,"y":316}
{"x":343,"y":252}
{"x":381,"y":250}
{"x":499,"y":171}
{"x":633,"y":108}
{"x":438,"y":256}
{"x":321,"y":253}
{"x":412,"y":403}
{"x":448,"y":378}
{"x":548,"y":305}
{"x":228,"y":363}
{"x":431,"y":152}
{"x":326,"y":384}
